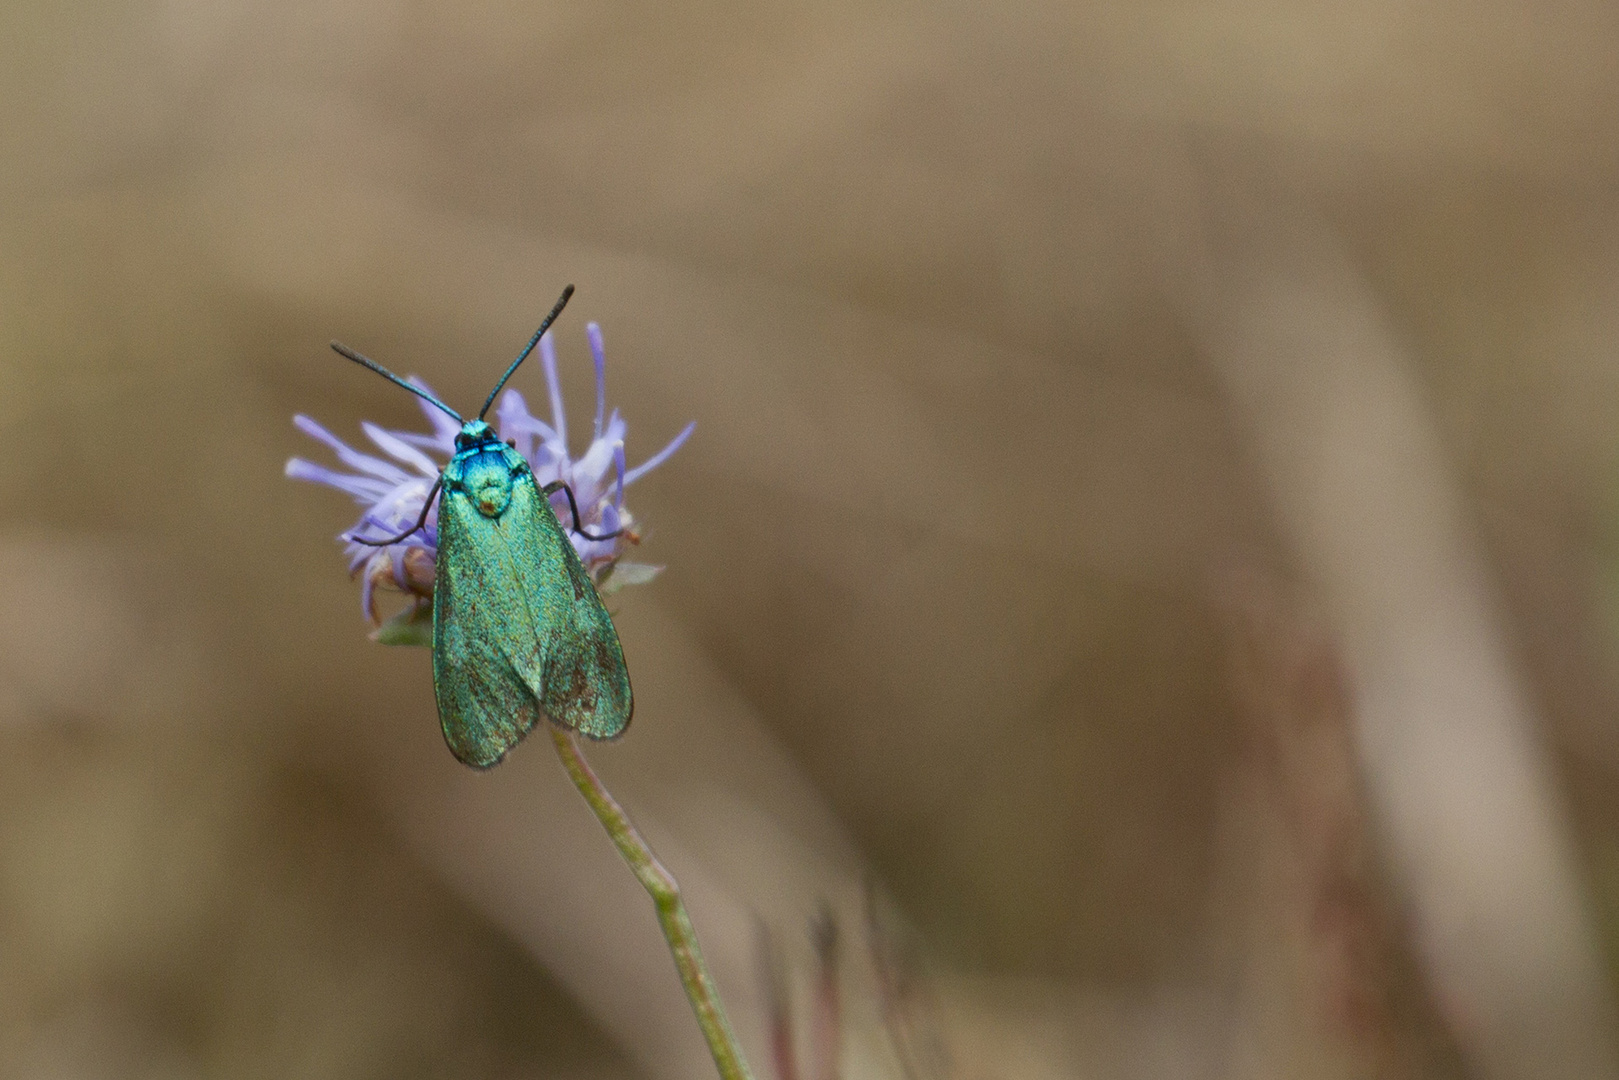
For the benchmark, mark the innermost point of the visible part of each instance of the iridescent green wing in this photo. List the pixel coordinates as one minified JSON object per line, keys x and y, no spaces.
{"x":480,"y":617}
{"x":582,"y":682}
{"x":519,"y":631}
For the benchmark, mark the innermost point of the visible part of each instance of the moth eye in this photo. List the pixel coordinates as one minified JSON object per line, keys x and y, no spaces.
{"x":512,"y":443}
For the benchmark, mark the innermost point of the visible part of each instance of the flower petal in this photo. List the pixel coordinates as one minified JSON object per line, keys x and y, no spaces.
{"x":398,"y":448}
{"x":516,"y":423}
{"x":426,"y":442}
{"x":618,"y":465}
{"x":598,"y":355}
{"x":348,"y":456}
{"x":363,"y":488}
{"x":597,"y":463}
{"x":661,"y":456}
{"x":598,"y":457}
{"x":559,"y":419}
{"x":616,"y":429}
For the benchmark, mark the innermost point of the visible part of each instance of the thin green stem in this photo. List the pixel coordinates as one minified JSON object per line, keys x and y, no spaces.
{"x":665,"y":892}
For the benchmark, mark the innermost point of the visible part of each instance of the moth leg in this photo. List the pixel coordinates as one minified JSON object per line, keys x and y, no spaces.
{"x":557,"y":485}
{"x":421,"y":521}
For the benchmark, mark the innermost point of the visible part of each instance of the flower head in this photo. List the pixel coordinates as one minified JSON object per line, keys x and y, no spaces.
{"x":392,"y":491}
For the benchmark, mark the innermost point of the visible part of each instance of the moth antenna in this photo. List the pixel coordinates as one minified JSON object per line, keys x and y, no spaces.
{"x":343,"y":350}
{"x":533,"y":341}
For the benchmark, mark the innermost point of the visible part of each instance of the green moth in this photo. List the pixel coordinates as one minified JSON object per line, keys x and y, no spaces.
{"x":519,"y":631}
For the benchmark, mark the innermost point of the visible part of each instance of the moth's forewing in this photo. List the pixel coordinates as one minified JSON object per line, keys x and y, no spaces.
{"x":581,"y":681}
{"x":485,"y":707}
{"x":519,"y":630}
{"x":585,"y":684}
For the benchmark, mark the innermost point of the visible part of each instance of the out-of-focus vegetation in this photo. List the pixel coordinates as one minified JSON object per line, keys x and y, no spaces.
{"x":1147,"y":526}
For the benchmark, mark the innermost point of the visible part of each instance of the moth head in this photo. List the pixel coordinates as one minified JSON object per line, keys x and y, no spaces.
{"x":475,"y":433}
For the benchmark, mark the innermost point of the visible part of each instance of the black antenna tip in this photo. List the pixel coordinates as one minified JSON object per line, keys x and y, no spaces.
{"x":348,"y":353}
{"x":556,"y":310}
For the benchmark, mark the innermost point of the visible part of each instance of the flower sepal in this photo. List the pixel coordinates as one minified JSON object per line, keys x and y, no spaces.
{"x":620,"y":574}
{"x":412,"y":626}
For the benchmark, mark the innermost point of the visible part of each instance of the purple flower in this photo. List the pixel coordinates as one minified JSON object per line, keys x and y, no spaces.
{"x":392,"y":491}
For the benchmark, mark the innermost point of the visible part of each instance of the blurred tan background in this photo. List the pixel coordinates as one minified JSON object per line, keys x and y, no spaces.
{"x":1141,"y":596}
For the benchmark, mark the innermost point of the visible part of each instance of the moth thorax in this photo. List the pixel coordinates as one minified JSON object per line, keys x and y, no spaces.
{"x":491,"y":491}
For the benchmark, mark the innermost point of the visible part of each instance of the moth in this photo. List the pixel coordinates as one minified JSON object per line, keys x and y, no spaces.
{"x":519,"y":631}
